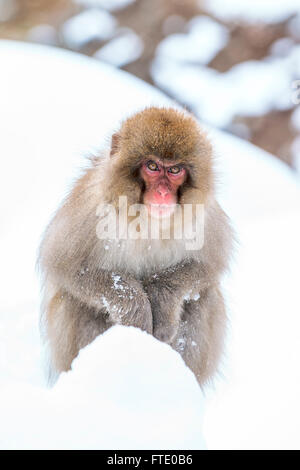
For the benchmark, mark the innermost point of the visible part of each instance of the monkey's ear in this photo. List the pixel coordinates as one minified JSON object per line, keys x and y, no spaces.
{"x":115,"y":143}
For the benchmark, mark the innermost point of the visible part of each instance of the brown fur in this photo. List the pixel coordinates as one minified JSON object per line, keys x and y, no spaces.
{"x":88,"y":288}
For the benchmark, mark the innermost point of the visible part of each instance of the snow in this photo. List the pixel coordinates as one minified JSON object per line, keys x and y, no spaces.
{"x":266,"y":11}
{"x":105,"y":302}
{"x":282,"y":47}
{"x":249,"y":88}
{"x":116,"y":280}
{"x":262,"y":383}
{"x":87,"y":26}
{"x":121,"y":50}
{"x":262,"y":390}
{"x":204,"y":39}
{"x":107,"y":4}
{"x":126,"y":389}
{"x":120,"y":393}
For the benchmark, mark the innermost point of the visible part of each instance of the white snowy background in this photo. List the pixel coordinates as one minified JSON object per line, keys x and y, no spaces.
{"x":127,"y":390}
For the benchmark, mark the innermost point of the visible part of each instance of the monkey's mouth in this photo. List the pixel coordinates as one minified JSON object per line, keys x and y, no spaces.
{"x":161,"y":211}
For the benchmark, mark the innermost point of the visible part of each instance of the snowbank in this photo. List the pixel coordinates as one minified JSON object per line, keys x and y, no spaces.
{"x":126,"y":391}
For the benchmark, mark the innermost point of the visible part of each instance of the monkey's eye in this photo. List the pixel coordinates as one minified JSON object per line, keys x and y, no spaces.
{"x":174,"y":170}
{"x":152,"y":166}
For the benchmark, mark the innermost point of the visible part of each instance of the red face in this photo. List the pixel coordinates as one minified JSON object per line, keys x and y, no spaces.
{"x":162,"y":182}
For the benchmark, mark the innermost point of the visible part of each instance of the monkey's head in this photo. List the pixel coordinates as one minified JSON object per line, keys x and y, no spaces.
{"x":160,"y":158}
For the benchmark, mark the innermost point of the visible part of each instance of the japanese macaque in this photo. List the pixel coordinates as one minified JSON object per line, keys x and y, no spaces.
{"x":95,"y":277}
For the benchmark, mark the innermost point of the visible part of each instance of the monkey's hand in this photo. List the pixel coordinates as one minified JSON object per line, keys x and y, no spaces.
{"x":126,"y":302}
{"x":167,"y":292}
{"x":118,"y":296}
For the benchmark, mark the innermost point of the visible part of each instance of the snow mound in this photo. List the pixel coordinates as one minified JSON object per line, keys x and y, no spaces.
{"x":204,"y":40}
{"x":107,"y":4}
{"x":126,"y":389}
{"x":266,"y":11}
{"x":87,"y":26}
{"x":121,"y":50}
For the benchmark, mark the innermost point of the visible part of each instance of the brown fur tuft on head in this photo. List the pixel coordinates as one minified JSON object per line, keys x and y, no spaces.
{"x":166,"y":133}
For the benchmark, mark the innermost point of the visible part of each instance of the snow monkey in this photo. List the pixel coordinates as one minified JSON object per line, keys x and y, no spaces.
{"x":162,"y":161}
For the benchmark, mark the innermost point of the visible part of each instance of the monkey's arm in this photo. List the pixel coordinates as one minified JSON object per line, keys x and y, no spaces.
{"x":71,"y":258}
{"x":119,"y":295}
{"x":167,"y":291}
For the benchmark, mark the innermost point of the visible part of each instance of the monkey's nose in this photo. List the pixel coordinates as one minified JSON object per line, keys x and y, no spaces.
{"x":163,"y":191}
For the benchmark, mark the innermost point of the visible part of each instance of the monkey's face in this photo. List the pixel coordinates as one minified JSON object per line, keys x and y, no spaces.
{"x":160,"y":157}
{"x":162,"y":181}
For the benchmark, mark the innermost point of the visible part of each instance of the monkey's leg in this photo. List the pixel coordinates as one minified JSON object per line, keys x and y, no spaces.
{"x":71,"y":326}
{"x":201,"y":334}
